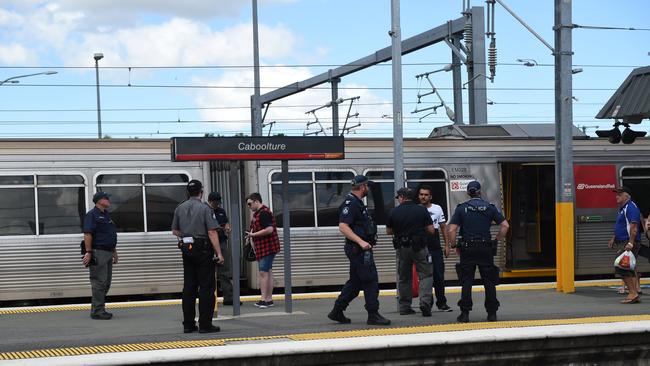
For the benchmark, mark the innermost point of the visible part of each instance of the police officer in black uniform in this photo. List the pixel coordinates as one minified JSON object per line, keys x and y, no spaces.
{"x":409,"y":223}
{"x":360,"y":235}
{"x":195,"y":225}
{"x":474,"y":217}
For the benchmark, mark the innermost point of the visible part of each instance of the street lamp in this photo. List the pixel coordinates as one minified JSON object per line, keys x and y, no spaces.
{"x":97,"y":57}
{"x":13,"y":80}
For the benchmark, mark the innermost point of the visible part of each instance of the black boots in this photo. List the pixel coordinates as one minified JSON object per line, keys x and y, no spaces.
{"x":337,"y":315}
{"x":463,"y":317}
{"x":492,"y":316}
{"x":376,"y":319}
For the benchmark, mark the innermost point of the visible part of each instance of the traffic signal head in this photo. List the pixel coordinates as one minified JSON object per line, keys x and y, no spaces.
{"x":613,"y":135}
{"x":629,"y":136}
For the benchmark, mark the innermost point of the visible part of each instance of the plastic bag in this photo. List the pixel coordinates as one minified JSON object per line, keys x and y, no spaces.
{"x":626,"y":261}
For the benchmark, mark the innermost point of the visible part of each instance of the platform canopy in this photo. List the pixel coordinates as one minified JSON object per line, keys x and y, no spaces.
{"x":631,"y":102}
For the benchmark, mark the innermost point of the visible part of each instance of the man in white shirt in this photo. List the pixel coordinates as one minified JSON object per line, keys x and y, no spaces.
{"x":435,"y":251}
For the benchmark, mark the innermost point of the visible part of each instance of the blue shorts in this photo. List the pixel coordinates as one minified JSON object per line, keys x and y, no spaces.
{"x":266,"y":263}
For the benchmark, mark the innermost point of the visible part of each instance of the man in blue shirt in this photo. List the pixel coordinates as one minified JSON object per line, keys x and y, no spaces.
{"x":100,"y":240}
{"x":627,"y":237}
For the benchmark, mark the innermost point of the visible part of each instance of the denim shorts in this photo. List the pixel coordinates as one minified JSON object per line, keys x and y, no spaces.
{"x":266,"y":263}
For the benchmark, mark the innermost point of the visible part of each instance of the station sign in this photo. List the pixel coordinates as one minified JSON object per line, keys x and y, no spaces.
{"x":257,"y":148}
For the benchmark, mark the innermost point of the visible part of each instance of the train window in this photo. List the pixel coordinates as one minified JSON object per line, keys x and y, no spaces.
{"x":17,"y":216}
{"x":161,"y":203}
{"x":60,"y":179}
{"x":16,"y":179}
{"x":345,"y":176}
{"x":293,"y":176}
{"x":434,"y":179}
{"x":61,"y":209}
{"x":301,"y":204}
{"x":148,"y":206}
{"x":384,"y":174}
{"x":381,"y":199}
{"x":638,"y":180}
{"x":119,"y":179}
{"x":166,"y":178}
{"x":329,"y":197}
{"x":424,"y":174}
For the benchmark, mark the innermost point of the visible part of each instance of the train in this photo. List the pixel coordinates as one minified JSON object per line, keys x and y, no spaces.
{"x":47,"y":185}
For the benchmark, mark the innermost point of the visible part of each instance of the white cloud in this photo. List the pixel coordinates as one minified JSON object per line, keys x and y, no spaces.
{"x":16,"y":54}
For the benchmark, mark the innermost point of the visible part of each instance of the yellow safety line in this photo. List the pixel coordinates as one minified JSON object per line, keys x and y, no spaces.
{"x":434,"y":328}
{"x":306,"y":296}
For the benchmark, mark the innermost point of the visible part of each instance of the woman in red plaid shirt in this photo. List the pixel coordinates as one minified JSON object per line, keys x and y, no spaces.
{"x":263,"y":231}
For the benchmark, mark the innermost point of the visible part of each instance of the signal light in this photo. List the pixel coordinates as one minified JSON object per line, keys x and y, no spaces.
{"x":615,"y":136}
{"x":629,"y":136}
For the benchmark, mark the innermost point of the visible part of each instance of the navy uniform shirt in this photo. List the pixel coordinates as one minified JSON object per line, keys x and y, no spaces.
{"x":354,"y":213}
{"x":221,"y":216}
{"x":193,"y":218}
{"x":627,"y":215}
{"x":409,"y":218}
{"x":102,"y":229}
{"x":475,"y":218}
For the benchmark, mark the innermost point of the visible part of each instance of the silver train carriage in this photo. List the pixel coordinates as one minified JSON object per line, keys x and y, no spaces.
{"x":47,"y":186}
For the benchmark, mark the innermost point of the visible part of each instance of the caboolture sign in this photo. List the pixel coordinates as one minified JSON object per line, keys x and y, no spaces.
{"x":258,"y":148}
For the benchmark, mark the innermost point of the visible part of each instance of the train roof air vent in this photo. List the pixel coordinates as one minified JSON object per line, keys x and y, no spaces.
{"x":484,"y":131}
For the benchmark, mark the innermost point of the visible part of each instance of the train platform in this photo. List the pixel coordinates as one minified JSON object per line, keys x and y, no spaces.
{"x":532,"y":318}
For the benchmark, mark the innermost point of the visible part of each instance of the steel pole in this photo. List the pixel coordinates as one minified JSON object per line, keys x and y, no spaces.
{"x":335,"y":106}
{"x":286,"y":236}
{"x":398,"y":128}
{"x":564,"y":187}
{"x":256,"y":128}
{"x":235,"y":235}
{"x":458,"y":84}
{"x":99,"y":110}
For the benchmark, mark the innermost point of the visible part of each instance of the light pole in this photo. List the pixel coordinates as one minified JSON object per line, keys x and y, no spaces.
{"x":14,"y":81}
{"x":97,"y":57}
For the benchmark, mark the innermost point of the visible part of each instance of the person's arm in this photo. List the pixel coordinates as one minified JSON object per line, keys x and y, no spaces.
{"x":634,"y":228}
{"x":503,"y":230}
{"x":214,"y":240}
{"x":452,"y":232}
{"x":445,"y":237}
{"x":610,"y":243}
{"x":266,"y":221}
{"x":347,"y":231}
{"x":88,"y":243}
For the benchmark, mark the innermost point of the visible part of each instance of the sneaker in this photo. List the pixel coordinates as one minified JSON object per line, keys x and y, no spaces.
{"x":338,"y":316}
{"x":492,"y":316}
{"x":426,"y":312}
{"x":377,"y":319}
{"x":444,"y":307}
{"x":261,"y":304}
{"x":269,"y":304}
{"x":102,"y":316}
{"x":210,"y":329}
{"x":408,"y":311}
{"x":463,"y":317}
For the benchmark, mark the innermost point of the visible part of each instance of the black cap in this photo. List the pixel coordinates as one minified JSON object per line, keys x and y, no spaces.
{"x":473,"y":186}
{"x":194,"y":186}
{"x":99,"y":195}
{"x":359,"y":180}
{"x":623,"y":189}
{"x":214,"y":196}
{"x":405,"y":192}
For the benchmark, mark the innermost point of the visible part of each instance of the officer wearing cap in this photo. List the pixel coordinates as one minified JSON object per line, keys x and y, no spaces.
{"x":196,"y":226}
{"x":100,"y":241}
{"x":409,"y":223}
{"x":223,"y":270}
{"x":360,"y":232}
{"x":474,"y":217}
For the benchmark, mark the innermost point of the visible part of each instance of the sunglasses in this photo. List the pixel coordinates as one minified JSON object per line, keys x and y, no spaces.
{"x":249,"y":204}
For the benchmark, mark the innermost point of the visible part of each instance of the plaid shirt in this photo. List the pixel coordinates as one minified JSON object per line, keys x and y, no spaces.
{"x":265,"y":245}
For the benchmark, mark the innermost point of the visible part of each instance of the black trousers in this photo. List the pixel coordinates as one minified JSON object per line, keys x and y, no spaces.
{"x":198,"y":279}
{"x":363,"y":276}
{"x":223,"y":271}
{"x":481,"y":257}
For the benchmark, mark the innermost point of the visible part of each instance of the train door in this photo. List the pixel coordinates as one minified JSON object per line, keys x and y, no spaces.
{"x":529,"y":207}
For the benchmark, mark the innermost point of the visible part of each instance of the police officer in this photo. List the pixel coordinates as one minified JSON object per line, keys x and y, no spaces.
{"x":474,"y":217}
{"x":223,"y":270}
{"x":100,"y":240}
{"x":409,"y":223}
{"x":360,"y":232}
{"x":196,"y":226}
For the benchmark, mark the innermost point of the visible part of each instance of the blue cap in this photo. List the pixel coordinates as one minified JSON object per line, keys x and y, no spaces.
{"x":100,"y":195}
{"x":214,"y":196}
{"x":359,"y":180}
{"x":473,"y":186}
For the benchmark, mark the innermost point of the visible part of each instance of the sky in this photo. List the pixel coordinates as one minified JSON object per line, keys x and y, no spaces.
{"x":184,"y":68}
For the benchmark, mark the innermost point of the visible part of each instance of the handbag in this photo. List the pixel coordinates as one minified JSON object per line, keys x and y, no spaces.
{"x":249,"y":251}
{"x":626,"y":261}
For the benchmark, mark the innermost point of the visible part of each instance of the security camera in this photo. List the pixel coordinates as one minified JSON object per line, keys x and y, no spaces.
{"x":98,"y":56}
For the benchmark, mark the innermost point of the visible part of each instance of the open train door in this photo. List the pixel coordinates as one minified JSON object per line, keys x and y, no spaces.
{"x":529,"y":207}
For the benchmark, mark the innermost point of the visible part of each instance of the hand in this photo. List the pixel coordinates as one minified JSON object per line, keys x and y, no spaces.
{"x":86,"y":259}
{"x":227,"y":229}
{"x":610,"y":244}
{"x":220,"y":259}
{"x":365,"y":245}
{"x":629,"y":246}
{"x":115,"y":257}
{"x":247,"y":234}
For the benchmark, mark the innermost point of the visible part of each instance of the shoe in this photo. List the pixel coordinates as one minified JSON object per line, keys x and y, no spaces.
{"x":631,"y":301}
{"x":445,"y":308}
{"x":261,"y":304}
{"x":190,"y":329}
{"x":338,"y":316}
{"x":229,"y":303}
{"x":408,"y":311}
{"x":377,"y":319}
{"x":269,"y":304}
{"x":210,"y":329}
{"x":426,"y":312}
{"x":463,"y":317}
{"x":492,"y":316}
{"x":102,"y":316}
